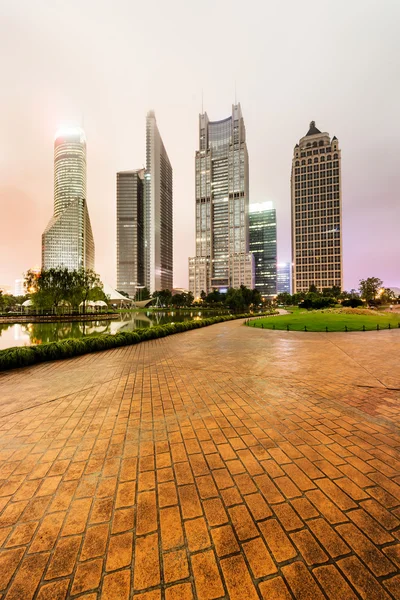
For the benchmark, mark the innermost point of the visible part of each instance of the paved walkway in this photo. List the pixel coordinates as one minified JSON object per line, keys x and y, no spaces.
{"x":226,"y":462}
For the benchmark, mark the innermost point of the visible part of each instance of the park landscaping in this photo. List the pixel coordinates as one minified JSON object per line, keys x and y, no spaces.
{"x":23,"y":356}
{"x":334,"y":319}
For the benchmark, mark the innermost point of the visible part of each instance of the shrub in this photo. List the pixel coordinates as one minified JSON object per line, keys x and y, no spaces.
{"x":25,"y":356}
{"x":353,"y":302}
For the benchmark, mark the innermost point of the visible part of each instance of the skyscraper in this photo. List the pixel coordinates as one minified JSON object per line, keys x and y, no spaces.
{"x":316,"y":212}
{"x":222,"y":203}
{"x":158,"y":246}
{"x":130,"y":231}
{"x":263,"y":245}
{"x":283,"y":278}
{"x":68,"y":240}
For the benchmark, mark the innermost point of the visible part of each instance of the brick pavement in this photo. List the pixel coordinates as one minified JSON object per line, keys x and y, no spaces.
{"x":219,"y":463}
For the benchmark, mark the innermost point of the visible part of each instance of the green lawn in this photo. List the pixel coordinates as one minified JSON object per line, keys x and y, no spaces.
{"x":333,"y":319}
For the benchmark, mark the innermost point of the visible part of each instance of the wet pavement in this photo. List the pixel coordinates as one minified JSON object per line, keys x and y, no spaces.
{"x":226,"y":462}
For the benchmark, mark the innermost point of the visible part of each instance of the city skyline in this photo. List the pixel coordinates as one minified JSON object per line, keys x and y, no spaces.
{"x":279,"y":97}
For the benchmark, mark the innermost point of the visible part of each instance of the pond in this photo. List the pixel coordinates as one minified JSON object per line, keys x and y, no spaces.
{"x":27,"y":334}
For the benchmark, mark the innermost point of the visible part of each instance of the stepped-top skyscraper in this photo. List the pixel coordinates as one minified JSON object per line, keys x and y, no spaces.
{"x":68,"y":240}
{"x":222,"y":207}
{"x":158,"y":245}
{"x":316,"y":212}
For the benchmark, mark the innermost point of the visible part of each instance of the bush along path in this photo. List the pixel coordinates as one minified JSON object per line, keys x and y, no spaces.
{"x":24,"y":356}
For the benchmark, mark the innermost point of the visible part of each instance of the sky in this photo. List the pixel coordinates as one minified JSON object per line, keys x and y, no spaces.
{"x":102,"y":64}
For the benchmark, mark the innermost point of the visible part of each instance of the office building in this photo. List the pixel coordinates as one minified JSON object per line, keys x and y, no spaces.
{"x":130,"y":231}
{"x":283,"y":278}
{"x":316,"y":212}
{"x":263,"y":245}
{"x":158,"y":243}
{"x":222,"y":202}
{"x":68,"y":240}
{"x":19,"y":287}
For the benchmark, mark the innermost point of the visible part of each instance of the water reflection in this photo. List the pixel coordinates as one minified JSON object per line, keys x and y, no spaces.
{"x":25,"y":334}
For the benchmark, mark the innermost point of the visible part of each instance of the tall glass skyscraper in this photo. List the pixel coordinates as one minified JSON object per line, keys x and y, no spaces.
{"x":68,"y":240}
{"x":222,"y":203}
{"x":263,"y":245}
{"x":283,"y":278}
{"x":158,"y":244}
{"x":130,"y":231}
{"x":316,"y":212}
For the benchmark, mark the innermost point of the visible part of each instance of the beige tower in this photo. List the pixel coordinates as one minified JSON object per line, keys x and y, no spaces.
{"x":316,"y":212}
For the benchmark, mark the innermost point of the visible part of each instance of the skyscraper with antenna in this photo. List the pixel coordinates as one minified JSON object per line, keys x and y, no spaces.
{"x":222,"y":256}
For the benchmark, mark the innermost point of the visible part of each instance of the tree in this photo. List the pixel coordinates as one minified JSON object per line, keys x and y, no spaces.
{"x":123,"y":293}
{"x":369,"y":288}
{"x":215,"y":297}
{"x":203,"y":295}
{"x":388,"y":296}
{"x":332,"y":292}
{"x":235,"y":301}
{"x":164,"y":297}
{"x":86,"y":285}
{"x":49,"y":287}
{"x":142,"y":294}
{"x":284,"y":298}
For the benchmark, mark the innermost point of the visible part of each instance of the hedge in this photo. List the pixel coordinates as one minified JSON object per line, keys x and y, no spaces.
{"x":25,"y":356}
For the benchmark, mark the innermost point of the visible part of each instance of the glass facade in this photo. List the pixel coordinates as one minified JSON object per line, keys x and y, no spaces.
{"x":263,"y":245}
{"x":316,"y":212}
{"x":283,"y":278}
{"x":130,"y":231}
{"x":68,"y":240}
{"x":222,"y":197}
{"x":158,"y":211}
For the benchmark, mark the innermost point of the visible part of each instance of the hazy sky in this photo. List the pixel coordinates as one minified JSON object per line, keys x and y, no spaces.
{"x":105,"y":63}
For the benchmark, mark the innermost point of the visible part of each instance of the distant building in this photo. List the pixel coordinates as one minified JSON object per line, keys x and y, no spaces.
{"x":222,"y":203}
{"x":316,"y":212}
{"x":158,"y":211}
{"x":130,"y":231}
{"x":19,"y":289}
{"x":283,"y":278}
{"x":68,"y":240}
{"x":263,"y":245}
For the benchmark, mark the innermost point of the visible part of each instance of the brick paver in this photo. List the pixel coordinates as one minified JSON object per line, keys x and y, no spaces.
{"x":226,"y":462}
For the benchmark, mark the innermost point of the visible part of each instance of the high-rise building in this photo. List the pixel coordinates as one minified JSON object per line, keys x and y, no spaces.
{"x":158,"y":246}
{"x":19,"y":287}
{"x":316,"y":212}
{"x":68,"y":240}
{"x":222,"y":204}
{"x":130,"y":231}
{"x":263,"y":245}
{"x":283,"y":278}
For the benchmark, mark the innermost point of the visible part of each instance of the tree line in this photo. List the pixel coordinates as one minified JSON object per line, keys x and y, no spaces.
{"x":235,"y":299}
{"x":370,"y":292}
